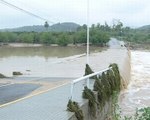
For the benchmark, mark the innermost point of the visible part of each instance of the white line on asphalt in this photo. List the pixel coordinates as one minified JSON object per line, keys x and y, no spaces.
{"x":26,"y":97}
{"x":6,"y":85}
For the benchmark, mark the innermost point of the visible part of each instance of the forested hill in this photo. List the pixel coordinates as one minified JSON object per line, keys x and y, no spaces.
{"x":59,"y":27}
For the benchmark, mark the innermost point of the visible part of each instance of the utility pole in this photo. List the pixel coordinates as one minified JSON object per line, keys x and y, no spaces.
{"x":87,"y":54}
{"x":88,"y":36}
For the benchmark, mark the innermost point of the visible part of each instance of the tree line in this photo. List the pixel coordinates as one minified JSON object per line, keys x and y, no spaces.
{"x":99,"y":35}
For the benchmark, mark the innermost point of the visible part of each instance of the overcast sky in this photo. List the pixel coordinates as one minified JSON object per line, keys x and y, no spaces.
{"x":132,"y":13}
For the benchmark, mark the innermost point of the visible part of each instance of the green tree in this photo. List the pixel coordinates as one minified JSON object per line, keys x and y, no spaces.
{"x":46,"y":25}
{"x":46,"y":38}
{"x":63,"y":40}
{"x":26,"y":37}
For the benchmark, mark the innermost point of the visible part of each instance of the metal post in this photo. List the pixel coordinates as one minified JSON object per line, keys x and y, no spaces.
{"x":72,"y":87}
{"x":88,"y":35}
{"x":87,"y":54}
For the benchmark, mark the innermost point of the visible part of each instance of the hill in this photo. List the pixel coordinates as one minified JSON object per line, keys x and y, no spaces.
{"x":59,"y":27}
{"x":145,"y":28}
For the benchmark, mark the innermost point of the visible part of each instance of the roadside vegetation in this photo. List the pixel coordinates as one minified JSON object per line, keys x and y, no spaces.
{"x":104,"y":87}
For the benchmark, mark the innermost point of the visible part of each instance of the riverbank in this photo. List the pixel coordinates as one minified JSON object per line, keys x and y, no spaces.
{"x":40,"y":45}
{"x":23,"y":45}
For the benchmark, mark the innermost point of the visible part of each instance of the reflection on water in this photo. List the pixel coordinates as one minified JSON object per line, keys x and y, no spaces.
{"x":30,"y":59}
{"x":138,"y":93}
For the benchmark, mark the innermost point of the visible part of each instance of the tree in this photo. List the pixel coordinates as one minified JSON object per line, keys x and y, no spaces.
{"x":46,"y":38}
{"x":26,"y":37}
{"x":99,"y":38}
{"x":80,"y":36}
{"x":63,"y":40}
{"x":46,"y":25}
{"x":4,"y":37}
{"x":107,"y":28}
{"x":93,"y":26}
{"x":98,"y":25}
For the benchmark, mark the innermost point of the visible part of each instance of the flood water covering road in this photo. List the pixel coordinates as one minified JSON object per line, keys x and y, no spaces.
{"x":36,"y":64}
{"x":37,"y":61}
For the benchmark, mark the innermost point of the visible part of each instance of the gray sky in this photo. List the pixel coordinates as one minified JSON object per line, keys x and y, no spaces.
{"x":132,"y":13}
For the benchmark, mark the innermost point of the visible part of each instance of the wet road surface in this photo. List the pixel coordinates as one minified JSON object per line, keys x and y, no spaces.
{"x":13,"y":92}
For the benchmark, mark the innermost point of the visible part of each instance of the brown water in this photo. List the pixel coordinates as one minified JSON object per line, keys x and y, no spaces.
{"x":137,"y":95}
{"x":37,"y":60}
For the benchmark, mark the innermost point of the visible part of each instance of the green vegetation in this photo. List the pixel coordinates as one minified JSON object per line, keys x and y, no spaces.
{"x":71,"y":33}
{"x":2,"y":76}
{"x":78,"y":36}
{"x":141,"y":114}
{"x":46,"y":25}
{"x":89,"y":94}
{"x":17,"y":73}
{"x":74,"y":107}
{"x":105,"y":85}
{"x":137,"y":35}
{"x":88,"y":70}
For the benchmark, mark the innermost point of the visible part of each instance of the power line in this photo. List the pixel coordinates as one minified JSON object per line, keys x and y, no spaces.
{"x":25,"y":11}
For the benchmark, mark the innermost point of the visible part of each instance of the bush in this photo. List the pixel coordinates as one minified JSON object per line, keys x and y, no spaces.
{"x":2,"y":76}
{"x":17,"y":73}
{"x":74,"y":107}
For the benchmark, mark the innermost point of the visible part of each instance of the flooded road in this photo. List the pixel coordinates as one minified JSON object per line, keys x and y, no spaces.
{"x":37,"y":61}
{"x":51,"y":66}
{"x":137,"y":94}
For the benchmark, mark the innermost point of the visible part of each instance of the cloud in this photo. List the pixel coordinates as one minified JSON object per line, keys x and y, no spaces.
{"x":131,"y":12}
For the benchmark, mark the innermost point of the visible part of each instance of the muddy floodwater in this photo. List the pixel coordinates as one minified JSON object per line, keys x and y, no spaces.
{"x":37,"y":60}
{"x":137,"y":95}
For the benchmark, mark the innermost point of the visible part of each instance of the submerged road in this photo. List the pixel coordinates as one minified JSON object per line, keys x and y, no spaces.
{"x":52,"y":104}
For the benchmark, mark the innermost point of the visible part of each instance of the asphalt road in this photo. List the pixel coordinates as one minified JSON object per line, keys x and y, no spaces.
{"x":12,"y":92}
{"x":3,"y":84}
{"x":42,"y":79}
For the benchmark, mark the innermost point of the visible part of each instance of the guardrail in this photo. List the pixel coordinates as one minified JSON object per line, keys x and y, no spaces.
{"x":86,"y":78}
